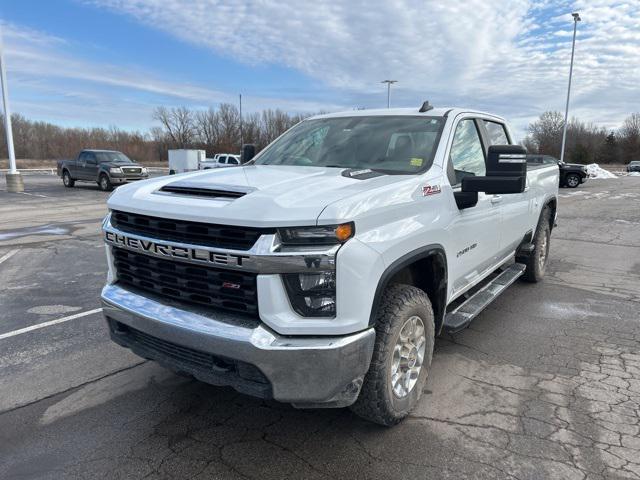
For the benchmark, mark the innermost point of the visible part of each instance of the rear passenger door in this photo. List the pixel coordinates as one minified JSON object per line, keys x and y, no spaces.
{"x":514,"y":206}
{"x":474,"y":231}
{"x":90,"y":170}
{"x":78,"y":168}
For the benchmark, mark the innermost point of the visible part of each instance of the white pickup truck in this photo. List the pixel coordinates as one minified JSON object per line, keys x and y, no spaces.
{"x":320,"y":272}
{"x":220,"y":160}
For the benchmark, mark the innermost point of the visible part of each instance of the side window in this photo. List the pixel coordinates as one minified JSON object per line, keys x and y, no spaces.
{"x":496,"y":132}
{"x":91,"y":159}
{"x":466,"y":156}
{"x":222,"y":160}
{"x":82,"y":157}
{"x":549,"y":160}
{"x":233,"y":161}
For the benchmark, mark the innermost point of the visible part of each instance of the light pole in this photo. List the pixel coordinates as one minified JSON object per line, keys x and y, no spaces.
{"x":14,"y":179}
{"x":576,"y":19}
{"x":241,"y":139}
{"x":389,"y":82}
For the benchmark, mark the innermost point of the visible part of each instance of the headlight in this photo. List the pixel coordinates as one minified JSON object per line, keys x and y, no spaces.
{"x":115,"y":170}
{"x":144,"y":170}
{"x":322,"y":235}
{"x":312,"y":294}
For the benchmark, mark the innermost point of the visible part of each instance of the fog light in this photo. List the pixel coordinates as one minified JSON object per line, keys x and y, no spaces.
{"x":312,"y":294}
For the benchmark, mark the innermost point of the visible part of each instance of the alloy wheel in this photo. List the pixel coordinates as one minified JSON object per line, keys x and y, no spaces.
{"x":408,"y":356}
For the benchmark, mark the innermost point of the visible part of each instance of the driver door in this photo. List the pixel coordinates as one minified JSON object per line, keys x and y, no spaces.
{"x":474,"y":232}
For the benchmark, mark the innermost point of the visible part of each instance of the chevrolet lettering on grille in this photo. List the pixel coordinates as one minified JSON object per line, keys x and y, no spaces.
{"x":174,"y":251}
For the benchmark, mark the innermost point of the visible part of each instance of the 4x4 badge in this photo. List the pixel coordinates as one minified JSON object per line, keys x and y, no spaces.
{"x":430,"y":190}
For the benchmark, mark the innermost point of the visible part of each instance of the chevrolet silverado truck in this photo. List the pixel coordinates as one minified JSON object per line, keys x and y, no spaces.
{"x":320,"y":272}
{"x":105,"y":167}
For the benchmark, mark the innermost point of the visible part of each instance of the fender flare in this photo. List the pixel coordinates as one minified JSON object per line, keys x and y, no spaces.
{"x":400,"y":263}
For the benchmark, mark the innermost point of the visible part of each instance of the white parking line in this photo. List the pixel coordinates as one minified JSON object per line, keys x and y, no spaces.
{"x":33,"y":194}
{"x":49,"y":323}
{"x":8,"y":255}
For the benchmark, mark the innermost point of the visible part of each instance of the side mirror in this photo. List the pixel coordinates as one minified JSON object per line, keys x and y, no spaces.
{"x":506,"y":172}
{"x":248,"y":152}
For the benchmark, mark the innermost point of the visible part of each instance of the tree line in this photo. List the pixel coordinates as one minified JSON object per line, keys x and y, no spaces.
{"x":214,"y":130}
{"x":220,"y":131}
{"x":586,"y":143}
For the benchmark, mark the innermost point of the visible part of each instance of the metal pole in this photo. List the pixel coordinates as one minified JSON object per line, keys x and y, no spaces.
{"x":13,"y":177}
{"x":389,"y":82}
{"x":576,"y":19}
{"x":241,"y":139}
{"x":7,"y":113}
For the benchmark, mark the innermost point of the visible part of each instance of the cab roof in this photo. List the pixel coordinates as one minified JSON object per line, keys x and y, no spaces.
{"x":413,"y":112}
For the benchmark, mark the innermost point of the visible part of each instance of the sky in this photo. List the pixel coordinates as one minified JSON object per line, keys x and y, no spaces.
{"x":112,"y":62}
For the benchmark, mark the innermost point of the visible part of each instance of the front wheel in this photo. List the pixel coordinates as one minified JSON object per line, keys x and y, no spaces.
{"x":572,"y":180}
{"x":67,"y":180}
{"x":105,"y":183}
{"x":402,"y":354}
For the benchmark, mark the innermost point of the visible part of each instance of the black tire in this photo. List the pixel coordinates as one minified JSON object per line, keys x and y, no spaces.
{"x":67,"y":180}
{"x":105,"y":183}
{"x":572,"y":180}
{"x":537,"y":261}
{"x":377,"y":401}
{"x":172,"y":172}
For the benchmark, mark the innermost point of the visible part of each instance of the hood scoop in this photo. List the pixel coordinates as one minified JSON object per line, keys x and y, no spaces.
{"x":190,"y":189}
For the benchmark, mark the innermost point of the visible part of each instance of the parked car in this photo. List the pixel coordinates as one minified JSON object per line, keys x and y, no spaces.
{"x":320,"y":272}
{"x":633,"y":166}
{"x":221,"y":160}
{"x":571,"y":174}
{"x":105,"y":167}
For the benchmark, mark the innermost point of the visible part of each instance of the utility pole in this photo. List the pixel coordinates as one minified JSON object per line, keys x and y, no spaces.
{"x":14,"y":179}
{"x":241,"y":139}
{"x":576,"y":19}
{"x":389,"y":82}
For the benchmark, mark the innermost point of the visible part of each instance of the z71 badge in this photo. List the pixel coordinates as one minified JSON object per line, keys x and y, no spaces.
{"x":430,"y":190}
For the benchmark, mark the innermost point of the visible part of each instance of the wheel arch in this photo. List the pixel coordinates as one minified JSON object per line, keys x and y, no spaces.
{"x":552,"y":204}
{"x":424,"y":268}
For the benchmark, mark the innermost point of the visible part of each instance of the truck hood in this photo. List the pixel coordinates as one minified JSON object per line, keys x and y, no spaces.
{"x":272,"y":196}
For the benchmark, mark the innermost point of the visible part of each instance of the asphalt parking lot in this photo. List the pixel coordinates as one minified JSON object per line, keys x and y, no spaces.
{"x":544,"y":384}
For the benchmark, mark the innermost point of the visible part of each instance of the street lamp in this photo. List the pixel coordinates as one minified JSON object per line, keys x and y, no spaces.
{"x":14,"y":179}
{"x":389,"y":82}
{"x":576,"y":19}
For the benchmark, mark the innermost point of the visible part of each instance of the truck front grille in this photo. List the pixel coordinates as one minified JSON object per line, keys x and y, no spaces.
{"x":195,"y":233}
{"x":215,"y":287}
{"x":131,"y":170}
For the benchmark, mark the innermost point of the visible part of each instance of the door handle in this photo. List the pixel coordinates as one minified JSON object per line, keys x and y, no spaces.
{"x":496,"y":199}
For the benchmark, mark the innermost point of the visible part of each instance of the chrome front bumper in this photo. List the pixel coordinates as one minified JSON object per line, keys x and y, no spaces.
{"x":305,"y":371}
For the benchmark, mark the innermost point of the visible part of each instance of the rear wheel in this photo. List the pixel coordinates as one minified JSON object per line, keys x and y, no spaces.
{"x":67,"y":180}
{"x":537,"y":261}
{"x":572,"y":180}
{"x":105,"y":183}
{"x":402,"y":354}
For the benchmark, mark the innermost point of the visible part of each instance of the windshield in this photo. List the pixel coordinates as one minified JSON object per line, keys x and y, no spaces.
{"x":112,"y":157}
{"x":391,"y":144}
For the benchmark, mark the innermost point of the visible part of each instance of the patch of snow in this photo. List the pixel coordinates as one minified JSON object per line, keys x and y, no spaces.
{"x":595,"y":171}
{"x":634,"y":174}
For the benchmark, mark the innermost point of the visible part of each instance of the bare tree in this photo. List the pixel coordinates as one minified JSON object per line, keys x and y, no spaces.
{"x":630,"y":138}
{"x":179,"y":124}
{"x":208,"y":127}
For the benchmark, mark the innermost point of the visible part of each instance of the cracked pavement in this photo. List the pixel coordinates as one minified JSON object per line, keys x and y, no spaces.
{"x":545,"y":383}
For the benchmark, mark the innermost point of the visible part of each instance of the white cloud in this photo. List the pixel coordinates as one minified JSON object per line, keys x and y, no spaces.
{"x":48,"y":83}
{"x":506,"y":56}
{"x":509,"y":56}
